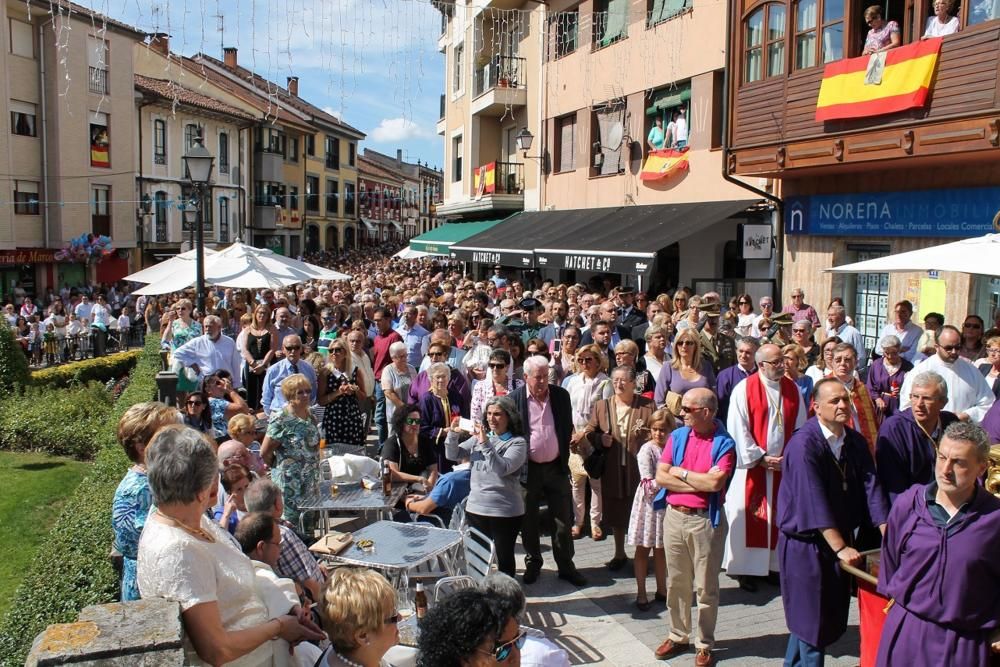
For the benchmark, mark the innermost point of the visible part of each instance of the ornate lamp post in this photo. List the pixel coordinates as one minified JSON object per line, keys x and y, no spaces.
{"x":199,"y":163}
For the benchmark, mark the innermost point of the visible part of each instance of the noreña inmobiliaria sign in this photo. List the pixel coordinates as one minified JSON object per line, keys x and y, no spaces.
{"x":957,"y":212}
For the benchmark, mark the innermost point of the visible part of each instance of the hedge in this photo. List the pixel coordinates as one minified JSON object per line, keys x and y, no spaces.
{"x":100,"y":369}
{"x":73,"y":570}
{"x":13,"y":363}
{"x":62,"y":422}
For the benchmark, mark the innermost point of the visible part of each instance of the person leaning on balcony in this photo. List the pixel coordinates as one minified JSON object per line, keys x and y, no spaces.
{"x":883,"y":35}
{"x":942,"y":23}
{"x":656,"y":137}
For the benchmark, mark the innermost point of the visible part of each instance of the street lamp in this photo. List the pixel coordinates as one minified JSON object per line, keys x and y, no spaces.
{"x":523,"y":140}
{"x":198,"y":162}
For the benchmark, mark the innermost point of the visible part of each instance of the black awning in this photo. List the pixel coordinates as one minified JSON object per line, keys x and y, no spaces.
{"x":625,"y":240}
{"x":513,"y":241}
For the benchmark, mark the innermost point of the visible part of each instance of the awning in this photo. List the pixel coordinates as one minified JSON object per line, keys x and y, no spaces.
{"x":625,"y":240}
{"x":398,"y":226}
{"x":669,"y":98}
{"x":438,"y":240}
{"x":410,"y":253}
{"x":369,"y":224}
{"x":513,"y":243}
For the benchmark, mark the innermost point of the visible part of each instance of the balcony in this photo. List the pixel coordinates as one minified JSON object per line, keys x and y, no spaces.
{"x":497,"y":186}
{"x":97,"y":80}
{"x":959,"y":120}
{"x":268,"y":166}
{"x":499,"y":85}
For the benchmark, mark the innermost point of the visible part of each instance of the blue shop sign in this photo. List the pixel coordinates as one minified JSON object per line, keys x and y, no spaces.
{"x":959,"y":213}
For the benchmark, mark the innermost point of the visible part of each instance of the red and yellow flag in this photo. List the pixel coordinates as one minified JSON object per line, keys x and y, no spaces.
{"x":485,"y":178}
{"x":905,"y":82}
{"x":662,"y":163}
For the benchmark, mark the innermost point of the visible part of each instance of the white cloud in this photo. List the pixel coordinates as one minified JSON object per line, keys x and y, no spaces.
{"x":333,"y":112}
{"x":395,"y":130}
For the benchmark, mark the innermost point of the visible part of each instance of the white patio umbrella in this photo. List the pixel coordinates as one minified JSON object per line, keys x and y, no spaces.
{"x":161,"y":270}
{"x":246,"y":267}
{"x":979,"y":255}
{"x":410,"y":253}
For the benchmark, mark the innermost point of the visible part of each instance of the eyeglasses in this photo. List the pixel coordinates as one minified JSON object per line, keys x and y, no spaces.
{"x":767,"y":305}
{"x":972,"y":325}
{"x":770,"y":362}
{"x":503,"y":651}
{"x":802,"y":331}
{"x":950,"y":348}
{"x":435,"y":354}
{"x":745,"y":303}
{"x":195,"y":402}
{"x":410,"y":421}
{"x":993,"y":350}
{"x":292,"y":348}
{"x":338,"y":350}
{"x":685,"y":343}
{"x":498,"y":366}
{"x":586,"y":360}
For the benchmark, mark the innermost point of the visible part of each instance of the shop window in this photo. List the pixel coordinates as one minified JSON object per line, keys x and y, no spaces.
{"x":819,"y":32}
{"x":160,"y":220}
{"x":26,"y":198}
{"x":610,"y":22}
{"x":868,"y":293}
{"x":22,"y":39}
{"x":159,"y":141}
{"x":100,"y":141}
{"x":223,"y":153}
{"x":672,"y":105}
{"x":764,"y":43}
{"x":565,"y":148}
{"x":100,"y":210}
{"x":658,"y":11}
{"x":22,"y":119}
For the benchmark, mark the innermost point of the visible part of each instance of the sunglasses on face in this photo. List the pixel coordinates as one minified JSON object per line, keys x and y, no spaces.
{"x":950,"y":348}
{"x":410,"y":421}
{"x":503,"y":651}
{"x":685,"y":343}
{"x":292,"y":348}
{"x":196,"y":403}
{"x":339,"y":350}
{"x":586,"y":360}
{"x":498,"y":366}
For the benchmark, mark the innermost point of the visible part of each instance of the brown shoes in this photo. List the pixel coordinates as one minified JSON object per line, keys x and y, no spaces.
{"x":703,"y":657}
{"x":668,"y":648}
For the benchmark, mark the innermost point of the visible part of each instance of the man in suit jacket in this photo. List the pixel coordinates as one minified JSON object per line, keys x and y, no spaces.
{"x":547,"y":416}
{"x":639,"y":332}
{"x":606,"y":336}
{"x":629,"y":316}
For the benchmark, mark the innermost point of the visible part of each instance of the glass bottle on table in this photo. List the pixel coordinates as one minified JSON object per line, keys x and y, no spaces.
{"x":386,"y":478}
{"x":420,"y":600}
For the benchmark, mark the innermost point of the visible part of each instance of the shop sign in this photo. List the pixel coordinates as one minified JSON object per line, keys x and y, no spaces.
{"x":27,"y":256}
{"x":944,"y":213}
{"x":755,"y":241}
{"x":594,"y":262}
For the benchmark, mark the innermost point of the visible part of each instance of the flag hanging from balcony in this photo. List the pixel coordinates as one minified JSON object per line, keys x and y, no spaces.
{"x":882,"y":83}
{"x":662,"y":163}
{"x":484,"y":179}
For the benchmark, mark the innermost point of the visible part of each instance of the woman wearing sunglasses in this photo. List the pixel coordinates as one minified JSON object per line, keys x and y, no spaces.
{"x":197,"y":414}
{"x":359,"y":614}
{"x":470,"y":628}
{"x":499,"y":382}
{"x":411,"y":459}
{"x":688,"y":370}
{"x":342,"y":389}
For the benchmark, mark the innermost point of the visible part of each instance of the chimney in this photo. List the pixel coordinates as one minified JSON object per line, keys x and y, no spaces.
{"x":160,"y":42}
{"x":229,"y":57}
{"x":293,"y":86}
{"x":399,"y":156}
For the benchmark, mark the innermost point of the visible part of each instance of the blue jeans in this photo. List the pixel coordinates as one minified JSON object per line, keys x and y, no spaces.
{"x":380,"y":421}
{"x":801,"y":654}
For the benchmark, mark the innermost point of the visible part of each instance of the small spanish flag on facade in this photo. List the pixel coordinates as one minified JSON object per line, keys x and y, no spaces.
{"x":484,"y":179}
{"x":881,"y":83}
{"x":662,"y":163}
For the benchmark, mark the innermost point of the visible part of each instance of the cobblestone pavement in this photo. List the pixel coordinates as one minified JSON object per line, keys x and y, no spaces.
{"x":600,"y":625}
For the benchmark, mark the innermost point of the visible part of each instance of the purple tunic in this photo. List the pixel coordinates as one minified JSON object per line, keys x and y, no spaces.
{"x":814,"y":590}
{"x":991,"y":423}
{"x":729,"y":378}
{"x":879,"y":384}
{"x":945,"y":583}
{"x":903,"y":453}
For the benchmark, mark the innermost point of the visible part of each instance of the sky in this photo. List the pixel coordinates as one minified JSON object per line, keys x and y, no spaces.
{"x":372,"y":63}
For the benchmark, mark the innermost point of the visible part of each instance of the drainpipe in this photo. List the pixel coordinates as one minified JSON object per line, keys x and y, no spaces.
{"x":139,"y":186}
{"x":779,"y":227}
{"x":45,"y":133}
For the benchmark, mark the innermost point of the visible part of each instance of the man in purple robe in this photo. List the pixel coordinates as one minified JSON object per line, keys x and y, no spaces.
{"x":939,"y":562}
{"x":991,"y":423}
{"x":732,"y":376}
{"x":828,"y":490}
{"x":907,"y":441}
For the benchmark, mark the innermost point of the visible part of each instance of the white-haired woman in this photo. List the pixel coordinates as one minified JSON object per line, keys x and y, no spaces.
{"x":185,"y":557}
{"x":396,"y":380}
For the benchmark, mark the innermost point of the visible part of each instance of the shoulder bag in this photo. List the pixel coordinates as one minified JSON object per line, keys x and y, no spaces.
{"x":597,"y":459}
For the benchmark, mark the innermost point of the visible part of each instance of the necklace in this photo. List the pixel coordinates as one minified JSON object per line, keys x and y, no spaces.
{"x":196,"y":532}
{"x":344,"y":659}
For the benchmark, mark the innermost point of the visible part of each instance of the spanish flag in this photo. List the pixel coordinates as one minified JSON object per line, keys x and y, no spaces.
{"x":662,"y":163}
{"x":484,"y":179}
{"x":882,"y":83}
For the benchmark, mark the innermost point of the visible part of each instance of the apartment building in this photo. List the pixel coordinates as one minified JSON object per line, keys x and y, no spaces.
{"x":421,"y":190}
{"x":493,"y":90}
{"x":380,"y":201}
{"x":871,"y":183}
{"x":172,"y":116}
{"x":67,"y":143}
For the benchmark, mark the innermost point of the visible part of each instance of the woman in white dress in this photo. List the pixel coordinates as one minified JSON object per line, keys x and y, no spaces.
{"x":184,"y":556}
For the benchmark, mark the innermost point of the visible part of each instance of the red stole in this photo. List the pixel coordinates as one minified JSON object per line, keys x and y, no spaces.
{"x":865,"y":408}
{"x":756,"y":485}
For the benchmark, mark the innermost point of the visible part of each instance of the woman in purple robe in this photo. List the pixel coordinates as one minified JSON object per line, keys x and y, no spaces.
{"x":939,"y":563}
{"x":885,"y":377}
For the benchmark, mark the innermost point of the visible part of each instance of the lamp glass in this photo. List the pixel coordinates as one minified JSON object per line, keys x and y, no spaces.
{"x":524,"y":139}
{"x":199,"y":163}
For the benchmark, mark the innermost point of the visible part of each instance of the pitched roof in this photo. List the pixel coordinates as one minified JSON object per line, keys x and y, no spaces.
{"x":368,"y":168}
{"x":169,"y":90}
{"x":260,"y":83}
{"x":74,"y":8}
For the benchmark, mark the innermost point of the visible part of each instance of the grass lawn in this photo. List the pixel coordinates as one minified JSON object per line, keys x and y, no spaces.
{"x":32,"y":489}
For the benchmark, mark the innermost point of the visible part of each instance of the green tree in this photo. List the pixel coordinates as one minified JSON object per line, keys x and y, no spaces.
{"x":13,"y":363}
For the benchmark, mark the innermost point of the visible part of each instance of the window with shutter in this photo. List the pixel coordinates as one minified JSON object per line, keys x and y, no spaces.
{"x":567,"y":143}
{"x":606,"y":120}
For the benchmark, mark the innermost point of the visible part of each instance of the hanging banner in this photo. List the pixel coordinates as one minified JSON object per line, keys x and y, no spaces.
{"x":484,"y":179}
{"x":882,"y":83}
{"x":663,"y":163}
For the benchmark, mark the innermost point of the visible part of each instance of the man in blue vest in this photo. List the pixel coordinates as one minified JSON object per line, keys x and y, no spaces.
{"x":695,"y":468}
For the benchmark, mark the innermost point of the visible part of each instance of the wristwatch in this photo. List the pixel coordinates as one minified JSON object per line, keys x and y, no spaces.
{"x":684,"y":477}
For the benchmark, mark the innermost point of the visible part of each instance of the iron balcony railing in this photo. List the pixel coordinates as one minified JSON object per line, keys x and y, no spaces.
{"x":501,"y":72}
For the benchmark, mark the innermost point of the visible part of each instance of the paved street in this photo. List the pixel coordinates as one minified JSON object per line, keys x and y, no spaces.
{"x":600,"y":625}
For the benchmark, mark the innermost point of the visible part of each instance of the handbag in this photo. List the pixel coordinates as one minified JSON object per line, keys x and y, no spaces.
{"x":597,"y":459}
{"x":672,"y":402}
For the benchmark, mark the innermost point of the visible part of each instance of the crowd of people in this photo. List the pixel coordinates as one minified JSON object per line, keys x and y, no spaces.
{"x":706,"y":436}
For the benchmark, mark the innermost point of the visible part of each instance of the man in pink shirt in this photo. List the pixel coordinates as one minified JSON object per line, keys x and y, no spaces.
{"x":547,"y":415}
{"x":695,"y":469}
{"x":801,"y":310}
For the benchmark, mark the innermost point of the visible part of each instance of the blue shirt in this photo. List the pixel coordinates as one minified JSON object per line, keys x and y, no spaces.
{"x":451,"y":488}
{"x":414,"y":340}
{"x":272,"y":398}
